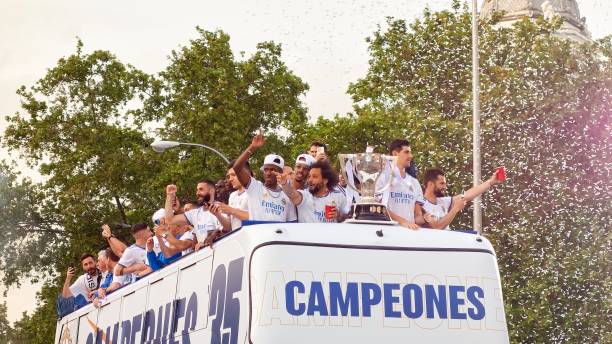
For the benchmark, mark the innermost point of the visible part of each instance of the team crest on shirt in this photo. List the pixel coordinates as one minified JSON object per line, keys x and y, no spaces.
{"x":266,"y":195}
{"x":284,"y":201}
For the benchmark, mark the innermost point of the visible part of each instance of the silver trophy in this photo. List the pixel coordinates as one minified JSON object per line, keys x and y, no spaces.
{"x":369,"y":174}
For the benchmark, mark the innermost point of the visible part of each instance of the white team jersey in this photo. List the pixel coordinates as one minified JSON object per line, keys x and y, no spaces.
{"x":439,"y":209}
{"x":268,"y":205}
{"x":132,"y":255}
{"x":84,"y":284}
{"x":240,"y":201}
{"x":187,"y":236}
{"x":312,"y":208}
{"x":401,"y":196}
{"x":203,"y":221}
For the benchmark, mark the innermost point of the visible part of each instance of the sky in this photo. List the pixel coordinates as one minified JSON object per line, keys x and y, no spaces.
{"x":323,"y":42}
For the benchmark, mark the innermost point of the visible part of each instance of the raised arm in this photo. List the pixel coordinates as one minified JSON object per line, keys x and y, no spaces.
{"x":481,"y":188}
{"x":115,"y":244}
{"x":288,"y":189}
{"x":171,"y":200}
{"x":66,"y":289}
{"x":240,"y":165}
{"x":458,"y":205}
{"x":178,"y":245}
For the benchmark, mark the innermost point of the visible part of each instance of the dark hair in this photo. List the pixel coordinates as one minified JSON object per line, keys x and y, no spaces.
{"x":247,"y":166}
{"x":206,"y":181}
{"x":111,"y":255}
{"x":138,"y":227}
{"x":431,"y":175}
{"x":318,"y":144}
{"x":85,"y":256}
{"x":327,"y":171}
{"x":397,"y":145}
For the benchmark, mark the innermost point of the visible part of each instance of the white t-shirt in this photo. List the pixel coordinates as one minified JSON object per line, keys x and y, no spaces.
{"x":439,"y":209}
{"x":312,"y":208}
{"x":187,"y":236}
{"x":268,"y":205}
{"x":401,"y":196}
{"x":240,"y":201}
{"x":132,"y":255}
{"x":84,"y":284}
{"x":203,"y":221}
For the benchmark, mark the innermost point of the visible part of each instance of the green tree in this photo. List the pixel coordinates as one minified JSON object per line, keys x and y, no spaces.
{"x":546,"y":115}
{"x":208,"y":96}
{"x":87,"y":126}
{"x":5,"y":327}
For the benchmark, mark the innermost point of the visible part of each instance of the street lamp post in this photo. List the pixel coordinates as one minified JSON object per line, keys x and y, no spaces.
{"x":161,"y":146}
{"x":476,"y":116}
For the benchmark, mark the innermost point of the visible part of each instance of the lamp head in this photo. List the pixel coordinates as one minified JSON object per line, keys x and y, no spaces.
{"x":161,"y":146}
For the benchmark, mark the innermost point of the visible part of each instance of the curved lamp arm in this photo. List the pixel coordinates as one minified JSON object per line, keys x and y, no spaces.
{"x":161,"y":146}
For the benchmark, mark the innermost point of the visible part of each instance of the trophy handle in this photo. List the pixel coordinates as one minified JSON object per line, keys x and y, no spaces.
{"x":345,"y":163}
{"x":391,"y":162}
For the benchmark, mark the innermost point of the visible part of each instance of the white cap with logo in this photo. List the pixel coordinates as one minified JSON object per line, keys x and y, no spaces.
{"x":274,"y":159}
{"x":305,"y":159}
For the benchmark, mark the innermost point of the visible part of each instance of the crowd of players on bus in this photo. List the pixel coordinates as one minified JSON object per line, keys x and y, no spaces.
{"x":310,"y":192}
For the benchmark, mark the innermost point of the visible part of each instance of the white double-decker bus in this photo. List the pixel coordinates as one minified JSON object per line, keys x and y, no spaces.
{"x":310,"y":283}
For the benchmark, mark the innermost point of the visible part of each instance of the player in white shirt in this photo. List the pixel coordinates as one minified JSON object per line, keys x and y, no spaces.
{"x":404,"y":198}
{"x":207,"y":220}
{"x":86,"y":283}
{"x":238,"y":204}
{"x":267,"y":201}
{"x":301,"y":170}
{"x":132,"y":263}
{"x":439,"y":209}
{"x":321,"y":192}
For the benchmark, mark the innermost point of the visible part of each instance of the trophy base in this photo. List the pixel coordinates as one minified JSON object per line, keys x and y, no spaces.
{"x":371,"y":213}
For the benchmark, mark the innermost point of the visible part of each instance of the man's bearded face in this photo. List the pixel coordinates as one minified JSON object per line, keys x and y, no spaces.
{"x":89,"y":265}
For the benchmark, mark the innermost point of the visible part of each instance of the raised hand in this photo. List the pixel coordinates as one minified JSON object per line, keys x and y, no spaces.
{"x":281,"y":178}
{"x":171,"y":190}
{"x":149,"y":244}
{"x":70,"y":272}
{"x":493,"y":180}
{"x":106,"y":231}
{"x":458,"y":205}
{"x":258,"y":141}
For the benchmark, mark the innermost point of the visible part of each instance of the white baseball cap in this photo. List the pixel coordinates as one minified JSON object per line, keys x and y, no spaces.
{"x":274,"y":159}
{"x":158,"y":215}
{"x":305,"y":159}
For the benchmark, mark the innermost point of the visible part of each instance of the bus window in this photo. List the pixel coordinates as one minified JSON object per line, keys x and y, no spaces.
{"x":158,"y":317}
{"x":192,"y":297}
{"x":88,"y":328}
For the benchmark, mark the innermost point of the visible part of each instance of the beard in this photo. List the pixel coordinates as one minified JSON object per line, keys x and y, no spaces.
{"x":314,"y":189}
{"x":439,"y":193}
{"x":92,"y":271}
{"x":203,"y":200}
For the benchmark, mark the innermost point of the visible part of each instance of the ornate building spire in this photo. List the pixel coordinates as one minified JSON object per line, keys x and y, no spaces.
{"x":574,"y":26}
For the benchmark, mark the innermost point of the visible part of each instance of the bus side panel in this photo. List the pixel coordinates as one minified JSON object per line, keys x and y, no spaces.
{"x":107,"y":321}
{"x":158,"y":318}
{"x":67,"y":333}
{"x":131,"y":316}
{"x":322,"y":294}
{"x":88,"y":328}
{"x":192,"y":299}
{"x":227,"y":311}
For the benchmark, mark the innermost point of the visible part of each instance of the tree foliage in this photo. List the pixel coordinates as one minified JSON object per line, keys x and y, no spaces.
{"x":546,"y":105}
